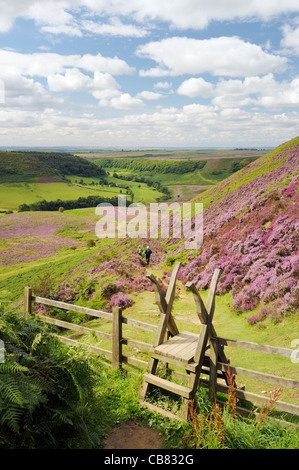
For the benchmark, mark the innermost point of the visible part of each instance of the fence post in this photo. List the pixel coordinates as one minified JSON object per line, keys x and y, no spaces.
{"x":116,"y":337}
{"x":213,"y":368}
{"x":27,"y":301}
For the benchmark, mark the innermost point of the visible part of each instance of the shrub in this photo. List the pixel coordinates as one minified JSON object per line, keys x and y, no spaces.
{"x":90,"y":243}
{"x":44,"y":387}
{"x":120,"y":300}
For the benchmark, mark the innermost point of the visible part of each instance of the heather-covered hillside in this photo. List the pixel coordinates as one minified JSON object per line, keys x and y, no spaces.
{"x":251,"y":232}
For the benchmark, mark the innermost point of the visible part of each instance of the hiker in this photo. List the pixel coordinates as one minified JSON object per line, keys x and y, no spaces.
{"x":148,"y":253}
{"x":139,"y":251}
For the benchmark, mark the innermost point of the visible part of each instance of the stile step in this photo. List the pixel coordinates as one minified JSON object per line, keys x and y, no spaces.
{"x":167,"y":385}
{"x":161,"y":411}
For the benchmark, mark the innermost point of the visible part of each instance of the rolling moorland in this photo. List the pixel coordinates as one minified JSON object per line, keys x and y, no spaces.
{"x":250,"y":232}
{"x":32,"y":177}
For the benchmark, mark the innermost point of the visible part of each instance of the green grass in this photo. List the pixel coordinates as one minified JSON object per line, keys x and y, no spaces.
{"x":14,"y":278}
{"x":14,"y":194}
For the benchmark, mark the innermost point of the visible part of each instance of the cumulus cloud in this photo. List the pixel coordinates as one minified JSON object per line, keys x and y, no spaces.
{"x":60,"y":15}
{"x":196,"y":87}
{"x":226,"y":56}
{"x":22,"y":73}
{"x":234,"y":93}
{"x":44,"y":64}
{"x":126,"y":101}
{"x":290,"y":38}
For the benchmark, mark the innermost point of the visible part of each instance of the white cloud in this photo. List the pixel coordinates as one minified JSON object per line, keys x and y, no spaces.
{"x":234,"y":93}
{"x":45,"y":64}
{"x":125,"y":101}
{"x":70,"y":73}
{"x":154,"y":72}
{"x":164,"y":85}
{"x":196,"y":87}
{"x":226,"y":56}
{"x":291,"y":38}
{"x":149,"y":95}
{"x":114,"y":28}
{"x":27,"y":94}
{"x":72,"y":80}
{"x":184,"y":14}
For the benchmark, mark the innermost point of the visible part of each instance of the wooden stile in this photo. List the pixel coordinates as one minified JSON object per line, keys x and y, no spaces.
{"x":184,"y":347}
{"x":201,"y":353}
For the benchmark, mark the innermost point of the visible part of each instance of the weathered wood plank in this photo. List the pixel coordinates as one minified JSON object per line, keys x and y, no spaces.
{"x":161,"y":411}
{"x":165,"y":305}
{"x":203,"y":316}
{"x":258,"y":399}
{"x":261,"y":376}
{"x":137,"y":344}
{"x":74,"y":327}
{"x":133,"y":361}
{"x":212,"y":294}
{"x":179,"y":340}
{"x":73,"y":308}
{"x":167,"y":385}
{"x":200,"y":306}
{"x":189,"y":351}
{"x":263,"y":348}
{"x":116,"y":338}
{"x":27,"y":301}
{"x":181,"y":346}
{"x":139,"y":324}
{"x":176,"y":362}
{"x":213,"y":370}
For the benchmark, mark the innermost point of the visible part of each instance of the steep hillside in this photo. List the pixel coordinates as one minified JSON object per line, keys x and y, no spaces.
{"x":251,"y":233}
{"x":26,"y":166}
{"x":16,"y":166}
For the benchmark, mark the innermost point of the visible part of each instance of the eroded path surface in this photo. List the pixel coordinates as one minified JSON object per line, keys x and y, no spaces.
{"x":133,"y":436}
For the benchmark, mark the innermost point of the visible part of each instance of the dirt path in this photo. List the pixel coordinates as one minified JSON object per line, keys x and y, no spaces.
{"x":133,"y":436}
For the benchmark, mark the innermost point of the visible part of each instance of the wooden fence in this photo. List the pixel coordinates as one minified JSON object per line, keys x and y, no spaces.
{"x":212,"y":367}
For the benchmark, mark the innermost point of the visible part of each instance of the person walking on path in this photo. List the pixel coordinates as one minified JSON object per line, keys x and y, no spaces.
{"x":148,"y":253}
{"x":139,"y":251}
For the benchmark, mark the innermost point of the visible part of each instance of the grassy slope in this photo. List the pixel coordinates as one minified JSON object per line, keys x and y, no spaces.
{"x":264,"y":166}
{"x":25,"y":166}
{"x":14,"y":194}
{"x":215,"y":170}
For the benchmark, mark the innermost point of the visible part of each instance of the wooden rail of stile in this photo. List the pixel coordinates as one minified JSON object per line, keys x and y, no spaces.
{"x":213,"y":366}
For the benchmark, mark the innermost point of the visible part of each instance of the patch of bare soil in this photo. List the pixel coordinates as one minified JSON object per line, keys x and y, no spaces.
{"x":133,"y":436}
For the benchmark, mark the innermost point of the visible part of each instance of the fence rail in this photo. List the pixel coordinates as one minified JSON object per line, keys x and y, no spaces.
{"x":212,"y":367}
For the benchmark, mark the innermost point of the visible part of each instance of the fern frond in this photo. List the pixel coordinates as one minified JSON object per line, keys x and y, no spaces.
{"x":12,"y":367}
{"x":36,"y":341}
{"x":10,"y":390}
{"x":11,"y":417}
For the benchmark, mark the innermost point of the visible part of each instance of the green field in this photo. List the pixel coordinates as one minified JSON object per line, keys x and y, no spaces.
{"x":14,"y":194}
{"x":14,"y":191}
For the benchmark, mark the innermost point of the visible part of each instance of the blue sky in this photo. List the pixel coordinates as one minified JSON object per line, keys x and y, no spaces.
{"x":140,"y":73}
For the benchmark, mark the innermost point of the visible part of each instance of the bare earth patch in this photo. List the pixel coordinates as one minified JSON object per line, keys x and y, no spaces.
{"x":133,"y":436}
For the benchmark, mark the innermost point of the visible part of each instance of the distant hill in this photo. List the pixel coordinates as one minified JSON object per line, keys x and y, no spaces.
{"x":29,"y":166}
{"x":251,"y":229}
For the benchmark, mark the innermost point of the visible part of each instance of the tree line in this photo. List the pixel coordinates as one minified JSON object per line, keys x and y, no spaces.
{"x":80,"y":203}
{"x":159,"y":166}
